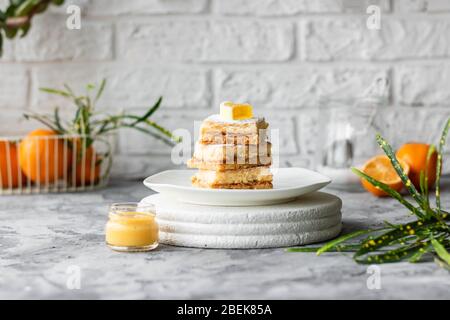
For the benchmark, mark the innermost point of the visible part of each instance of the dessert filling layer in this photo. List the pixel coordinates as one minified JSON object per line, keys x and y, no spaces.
{"x":244,"y":176}
{"x":254,"y":185}
{"x":231,"y":153}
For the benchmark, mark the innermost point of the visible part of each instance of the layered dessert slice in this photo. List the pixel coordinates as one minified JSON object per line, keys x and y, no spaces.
{"x":233,"y":151}
{"x":250,"y":178}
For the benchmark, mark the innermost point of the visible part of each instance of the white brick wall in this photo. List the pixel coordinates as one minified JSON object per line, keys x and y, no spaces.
{"x":280,"y":55}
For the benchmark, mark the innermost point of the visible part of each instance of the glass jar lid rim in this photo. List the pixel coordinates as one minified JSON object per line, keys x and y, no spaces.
{"x":132,"y":207}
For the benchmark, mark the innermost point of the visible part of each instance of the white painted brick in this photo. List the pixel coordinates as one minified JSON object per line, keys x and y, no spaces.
{"x":50,"y":40}
{"x":422,"y":5}
{"x":349,"y":39}
{"x":285,"y":124}
{"x":138,"y":167}
{"x":8,"y":51}
{"x":136,"y":7}
{"x":297,"y":161}
{"x":294,"y":87}
{"x":206,"y":41}
{"x":293,"y":7}
{"x":411,"y":124}
{"x":128,"y":86}
{"x":423,"y":85}
{"x":14,"y":81}
{"x":308,"y":128}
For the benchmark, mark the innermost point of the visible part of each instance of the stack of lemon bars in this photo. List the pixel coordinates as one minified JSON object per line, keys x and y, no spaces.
{"x":233,"y":151}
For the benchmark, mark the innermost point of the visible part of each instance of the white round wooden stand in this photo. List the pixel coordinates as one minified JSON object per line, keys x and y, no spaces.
{"x":311,"y":218}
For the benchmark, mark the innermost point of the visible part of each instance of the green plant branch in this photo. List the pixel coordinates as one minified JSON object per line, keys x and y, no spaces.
{"x":25,"y":13}
{"x":18,"y":16}
{"x":439,"y":164}
{"x":428,"y":235}
{"x":92,"y":125}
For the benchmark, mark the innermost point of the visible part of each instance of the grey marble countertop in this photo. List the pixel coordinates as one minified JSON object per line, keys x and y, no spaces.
{"x":46,"y":241}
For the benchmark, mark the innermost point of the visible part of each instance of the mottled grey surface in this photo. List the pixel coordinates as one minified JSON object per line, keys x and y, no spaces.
{"x":41,"y":236}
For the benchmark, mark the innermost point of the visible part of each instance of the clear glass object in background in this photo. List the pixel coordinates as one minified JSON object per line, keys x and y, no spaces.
{"x":346,"y":134}
{"x":132,"y":227}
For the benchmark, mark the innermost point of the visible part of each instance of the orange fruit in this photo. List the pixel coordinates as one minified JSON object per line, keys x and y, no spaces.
{"x":9,"y":165}
{"x":381,"y":169}
{"x":43,"y":156}
{"x":87,"y":169}
{"x":415,"y":155}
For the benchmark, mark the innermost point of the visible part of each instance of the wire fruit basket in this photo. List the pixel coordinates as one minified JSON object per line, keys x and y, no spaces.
{"x":53,"y":164}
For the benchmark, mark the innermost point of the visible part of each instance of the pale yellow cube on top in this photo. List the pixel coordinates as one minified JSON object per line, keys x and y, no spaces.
{"x":235,"y":111}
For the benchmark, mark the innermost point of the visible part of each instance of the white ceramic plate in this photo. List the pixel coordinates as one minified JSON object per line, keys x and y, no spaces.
{"x":288,"y":184}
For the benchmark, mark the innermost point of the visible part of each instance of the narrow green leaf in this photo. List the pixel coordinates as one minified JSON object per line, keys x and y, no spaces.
{"x":417,"y":257}
{"x":422,"y":185}
{"x":69,"y":90}
{"x":394,"y":194}
{"x":163,"y":131}
{"x":154,"y":135}
{"x":424,"y":177}
{"x":25,"y":29}
{"x":390,"y":225}
{"x":90,"y":87}
{"x":397,"y":235}
{"x":1,"y":43}
{"x":398,"y":168}
{"x":439,"y":164}
{"x":100,"y":90}
{"x":391,"y":256}
{"x":42,"y":120}
{"x":58,"y":121}
{"x":55,"y":91}
{"x":441,"y":263}
{"x":441,"y":251}
{"x":25,"y":8}
{"x":342,"y":239}
{"x":338,"y":248}
{"x":149,"y":113}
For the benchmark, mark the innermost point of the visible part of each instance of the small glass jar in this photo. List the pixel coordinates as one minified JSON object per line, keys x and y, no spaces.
{"x":132,"y":228}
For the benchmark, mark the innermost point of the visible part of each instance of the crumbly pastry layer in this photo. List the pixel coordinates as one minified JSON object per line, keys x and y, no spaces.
{"x":215,"y":125}
{"x":231,"y":153}
{"x":242,"y":176}
{"x":219,"y":138}
{"x":254,"y":185}
{"x":218,"y":166}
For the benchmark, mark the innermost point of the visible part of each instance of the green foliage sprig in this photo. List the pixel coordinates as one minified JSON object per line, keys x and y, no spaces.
{"x":428,"y":235}
{"x":16,"y":18}
{"x":92,"y":124}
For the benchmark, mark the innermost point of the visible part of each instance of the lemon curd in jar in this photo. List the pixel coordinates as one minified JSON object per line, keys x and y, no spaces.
{"x":131,"y":228}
